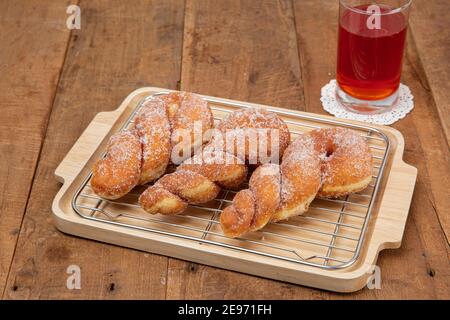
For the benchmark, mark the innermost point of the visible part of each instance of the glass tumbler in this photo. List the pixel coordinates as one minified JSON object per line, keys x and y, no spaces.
{"x":372,"y":36}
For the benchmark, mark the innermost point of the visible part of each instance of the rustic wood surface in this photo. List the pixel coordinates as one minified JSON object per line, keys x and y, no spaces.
{"x":275,"y":52}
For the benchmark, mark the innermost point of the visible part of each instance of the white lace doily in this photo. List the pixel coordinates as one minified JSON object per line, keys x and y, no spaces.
{"x":404,"y":106}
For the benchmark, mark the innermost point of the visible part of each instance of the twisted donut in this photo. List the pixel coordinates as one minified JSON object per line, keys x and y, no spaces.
{"x":119,"y":171}
{"x":222,"y":163}
{"x":254,"y":135}
{"x":329,"y":162}
{"x":164,"y":125}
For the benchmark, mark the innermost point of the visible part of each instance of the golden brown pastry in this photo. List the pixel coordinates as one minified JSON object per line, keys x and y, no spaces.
{"x":177,"y":120}
{"x":329,"y":162}
{"x":119,"y":171}
{"x":348,"y":163}
{"x":222,"y":163}
{"x":255,"y":135}
{"x":153,"y":126}
{"x":197,"y":180}
{"x":167,"y":126}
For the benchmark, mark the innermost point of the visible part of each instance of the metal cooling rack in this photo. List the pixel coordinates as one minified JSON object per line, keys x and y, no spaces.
{"x":329,"y":236}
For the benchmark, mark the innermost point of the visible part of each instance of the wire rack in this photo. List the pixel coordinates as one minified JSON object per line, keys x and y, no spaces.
{"x":329,"y":236}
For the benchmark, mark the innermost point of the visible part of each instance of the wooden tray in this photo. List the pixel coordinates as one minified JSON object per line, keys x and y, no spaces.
{"x":384,"y":229}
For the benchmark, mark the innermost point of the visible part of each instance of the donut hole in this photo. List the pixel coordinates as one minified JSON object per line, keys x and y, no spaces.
{"x":329,"y":153}
{"x":329,"y":150}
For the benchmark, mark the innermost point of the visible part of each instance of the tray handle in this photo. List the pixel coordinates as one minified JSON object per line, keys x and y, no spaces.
{"x":393,"y":213}
{"x":89,"y":141}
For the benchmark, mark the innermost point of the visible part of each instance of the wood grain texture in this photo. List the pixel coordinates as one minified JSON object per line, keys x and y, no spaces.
{"x":30,"y":64}
{"x":317,"y":44}
{"x":245,"y":50}
{"x":316,"y":27}
{"x":428,"y":60}
{"x":430,"y":26}
{"x":435,"y":153}
{"x":119,"y":48}
{"x":425,"y":249}
{"x":274,"y":52}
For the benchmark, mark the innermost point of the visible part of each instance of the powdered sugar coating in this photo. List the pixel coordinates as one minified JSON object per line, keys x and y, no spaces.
{"x":329,"y":162}
{"x":345,"y":159}
{"x":300,"y":171}
{"x":119,"y":171}
{"x":255,"y":135}
{"x":167,"y":123}
{"x":218,"y":166}
{"x":142,"y":154}
{"x":153,"y":126}
{"x":219,"y":162}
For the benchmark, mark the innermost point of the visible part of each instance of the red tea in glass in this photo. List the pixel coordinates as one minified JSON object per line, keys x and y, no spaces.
{"x":370,"y":54}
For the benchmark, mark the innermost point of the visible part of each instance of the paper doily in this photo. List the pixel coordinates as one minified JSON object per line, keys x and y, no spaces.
{"x":404,"y":106}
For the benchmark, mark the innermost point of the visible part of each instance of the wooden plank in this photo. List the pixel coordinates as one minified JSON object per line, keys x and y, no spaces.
{"x":120,"y":47}
{"x":317,"y":44}
{"x":425,"y":250}
{"x":317,"y":26}
{"x":430,"y":25}
{"x":436,"y":155}
{"x":244,"y":50}
{"x":31,"y":57}
{"x":429,"y":63}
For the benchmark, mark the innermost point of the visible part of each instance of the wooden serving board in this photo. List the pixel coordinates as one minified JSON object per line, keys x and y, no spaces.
{"x":385,"y":229}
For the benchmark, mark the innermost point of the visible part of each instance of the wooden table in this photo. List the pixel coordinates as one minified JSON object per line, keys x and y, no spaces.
{"x":54,"y":80}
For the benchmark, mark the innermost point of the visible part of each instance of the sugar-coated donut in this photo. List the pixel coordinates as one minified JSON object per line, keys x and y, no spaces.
{"x":327,"y":162}
{"x":278,"y":191}
{"x":153,"y":126}
{"x":249,"y":133}
{"x":346,"y":161}
{"x":300,"y":178}
{"x":167,"y":126}
{"x":119,"y":171}
{"x":219,"y":164}
{"x":176,"y":121}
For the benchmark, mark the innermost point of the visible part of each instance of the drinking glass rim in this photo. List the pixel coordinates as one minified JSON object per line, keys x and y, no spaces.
{"x":396,"y":10}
